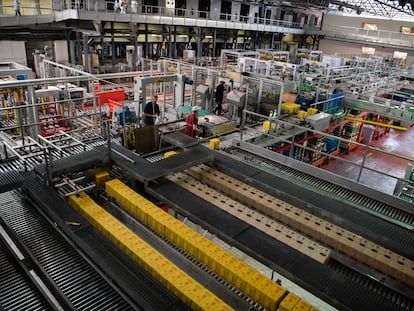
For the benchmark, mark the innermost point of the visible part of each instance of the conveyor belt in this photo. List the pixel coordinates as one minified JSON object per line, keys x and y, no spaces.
{"x":180,"y":258}
{"x":184,"y":286}
{"x":340,"y":212}
{"x":333,"y":287}
{"x":14,"y":280}
{"x":335,"y":237}
{"x":372,"y":285}
{"x":137,"y":285}
{"x":16,"y":164}
{"x":10,"y":180}
{"x":373,"y":206}
{"x":249,"y":281}
{"x":79,"y":282}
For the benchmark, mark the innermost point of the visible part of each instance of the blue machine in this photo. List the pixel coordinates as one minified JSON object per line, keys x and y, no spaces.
{"x":335,"y":104}
{"x":120,"y":113}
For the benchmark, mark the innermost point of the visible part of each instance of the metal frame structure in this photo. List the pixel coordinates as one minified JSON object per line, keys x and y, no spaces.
{"x":233,"y":58}
{"x":385,"y":8}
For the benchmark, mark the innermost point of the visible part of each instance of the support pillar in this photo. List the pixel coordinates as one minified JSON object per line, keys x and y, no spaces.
{"x":32,"y":113}
{"x":70,"y":56}
{"x":199,"y":42}
{"x":175,"y":43}
{"x":214,"y":42}
{"x":78,"y":48}
{"x":146,"y":41}
{"x":113,"y":45}
{"x":86,"y":54}
{"x":170,"y":44}
{"x":102,"y":33}
{"x":135,"y":43}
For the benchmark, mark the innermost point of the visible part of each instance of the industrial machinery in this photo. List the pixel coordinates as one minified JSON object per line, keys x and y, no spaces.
{"x":270,"y":68}
{"x":405,"y":187}
{"x":237,"y":102}
{"x":233,"y":59}
{"x":146,"y":87}
{"x":213,"y":125}
{"x":159,"y":178}
{"x":269,"y":54}
{"x":144,"y":228}
{"x":204,"y":92}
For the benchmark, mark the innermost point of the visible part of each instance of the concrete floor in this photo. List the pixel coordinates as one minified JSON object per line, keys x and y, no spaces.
{"x":394,"y":143}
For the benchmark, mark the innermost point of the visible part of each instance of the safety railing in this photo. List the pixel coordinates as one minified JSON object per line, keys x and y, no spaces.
{"x":377,"y":36}
{"x":361,"y":171}
{"x":132,"y":8}
{"x":26,"y":10}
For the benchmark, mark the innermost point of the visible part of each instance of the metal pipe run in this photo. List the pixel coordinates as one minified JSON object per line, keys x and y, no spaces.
{"x":377,"y":123}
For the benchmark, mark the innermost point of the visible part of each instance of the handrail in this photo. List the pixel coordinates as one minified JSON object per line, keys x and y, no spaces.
{"x":353,"y":33}
{"x":360,"y":165}
{"x":27,"y":10}
{"x":385,"y":36}
{"x":150,"y":10}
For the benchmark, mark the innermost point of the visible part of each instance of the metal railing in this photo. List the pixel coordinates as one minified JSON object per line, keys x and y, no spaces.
{"x":359,"y":171}
{"x":27,"y":10}
{"x":148,"y":10}
{"x":336,"y":31}
{"x":377,"y":36}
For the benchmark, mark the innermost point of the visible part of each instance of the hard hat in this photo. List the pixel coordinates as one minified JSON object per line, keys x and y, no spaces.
{"x":195,"y":108}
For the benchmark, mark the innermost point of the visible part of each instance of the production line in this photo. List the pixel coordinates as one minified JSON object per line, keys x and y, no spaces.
{"x":308,"y":269}
{"x":82,"y":202}
{"x":347,"y":244}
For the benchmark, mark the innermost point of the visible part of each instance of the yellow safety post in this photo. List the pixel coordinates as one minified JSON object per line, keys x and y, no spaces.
{"x":401,"y":128}
{"x":43,"y":105}
{"x":16,"y":119}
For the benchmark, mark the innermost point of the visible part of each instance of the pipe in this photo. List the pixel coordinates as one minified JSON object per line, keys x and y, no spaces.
{"x":378,"y":123}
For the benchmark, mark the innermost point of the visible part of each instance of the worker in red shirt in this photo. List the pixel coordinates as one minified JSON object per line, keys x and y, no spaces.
{"x":191,"y":122}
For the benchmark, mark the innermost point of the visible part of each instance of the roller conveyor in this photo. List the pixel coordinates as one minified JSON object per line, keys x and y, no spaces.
{"x":383,"y":232}
{"x":189,"y":265}
{"x":142,"y":290}
{"x":334,"y":287}
{"x":139,"y":291}
{"x":377,"y":229}
{"x":68,"y":270}
{"x":32,"y":161}
{"x":393,"y":214}
{"x":10,"y":180}
{"x":247,"y":238}
{"x":12,"y":280}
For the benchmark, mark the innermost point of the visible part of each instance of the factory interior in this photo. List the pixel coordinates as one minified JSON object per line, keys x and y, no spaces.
{"x":295,"y":192}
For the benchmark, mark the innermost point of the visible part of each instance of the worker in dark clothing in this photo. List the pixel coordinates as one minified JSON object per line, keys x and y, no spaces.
{"x":219,"y":97}
{"x":191,"y":123}
{"x":151,"y":111}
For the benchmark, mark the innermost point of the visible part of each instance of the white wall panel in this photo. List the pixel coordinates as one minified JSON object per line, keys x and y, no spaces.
{"x":348,"y":48}
{"x":61,"y":51}
{"x":350,"y":21}
{"x":13,"y":51}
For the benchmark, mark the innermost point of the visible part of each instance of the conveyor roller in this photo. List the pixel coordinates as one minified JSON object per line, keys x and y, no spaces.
{"x":13,"y":280}
{"x":71,"y":273}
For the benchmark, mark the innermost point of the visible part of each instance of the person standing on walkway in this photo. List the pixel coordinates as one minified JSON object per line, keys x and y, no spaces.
{"x":117,"y":7}
{"x":17,"y":6}
{"x":191,"y":123}
{"x":151,"y":111}
{"x":219,"y":98}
